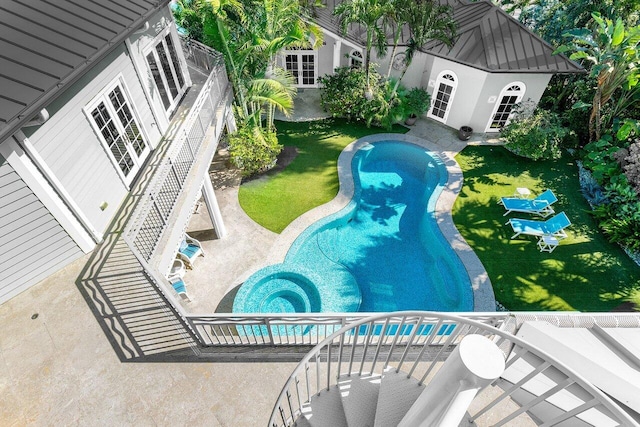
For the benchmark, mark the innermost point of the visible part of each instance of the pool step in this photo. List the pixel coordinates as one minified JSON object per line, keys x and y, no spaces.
{"x":362,"y":401}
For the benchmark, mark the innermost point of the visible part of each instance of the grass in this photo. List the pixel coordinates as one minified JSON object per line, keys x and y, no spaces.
{"x":311,"y":180}
{"x":584,"y":273}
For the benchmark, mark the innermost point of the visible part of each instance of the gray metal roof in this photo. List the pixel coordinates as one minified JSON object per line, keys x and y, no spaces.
{"x":491,"y":40}
{"x":45,"y":45}
{"x":488,"y":39}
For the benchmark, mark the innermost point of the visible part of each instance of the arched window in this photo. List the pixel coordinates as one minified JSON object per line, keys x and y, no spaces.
{"x":442,"y":98}
{"x":355,"y":58}
{"x":509,"y":97}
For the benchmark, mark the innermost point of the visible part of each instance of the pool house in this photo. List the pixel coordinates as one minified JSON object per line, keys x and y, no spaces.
{"x":109,"y":123}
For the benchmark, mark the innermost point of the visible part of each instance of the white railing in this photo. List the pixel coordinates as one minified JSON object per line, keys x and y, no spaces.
{"x":416,"y":343}
{"x":151,"y":216}
{"x":291,"y":329}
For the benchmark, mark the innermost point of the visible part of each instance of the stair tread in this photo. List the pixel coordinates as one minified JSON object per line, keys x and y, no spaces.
{"x":397,"y":394}
{"x":359,"y":399}
{"x":325,"y":410}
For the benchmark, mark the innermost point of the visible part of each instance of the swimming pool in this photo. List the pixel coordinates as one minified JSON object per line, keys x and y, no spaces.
{"x":382,"y":252}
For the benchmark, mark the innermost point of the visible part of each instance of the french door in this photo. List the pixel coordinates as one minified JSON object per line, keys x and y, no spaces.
{"x":120,"y":132}
{"x":510,"y":96}
{"x":445,"y":89}
{"x":166,"y":71}
{"x":302,"y":65}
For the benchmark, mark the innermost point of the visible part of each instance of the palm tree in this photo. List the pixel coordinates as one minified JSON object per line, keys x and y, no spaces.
{"x":370,"y":14}
{"x":613,"y":51}
{"x":217,"y":34}
{"x":426,"y":21}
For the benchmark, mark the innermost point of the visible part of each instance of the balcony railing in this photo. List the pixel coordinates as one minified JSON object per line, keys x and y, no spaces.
{"x":534,"y":388}
{"x":153,"y":212}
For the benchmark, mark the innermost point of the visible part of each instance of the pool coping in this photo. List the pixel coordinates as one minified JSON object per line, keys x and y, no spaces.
{"x":483,"y":295}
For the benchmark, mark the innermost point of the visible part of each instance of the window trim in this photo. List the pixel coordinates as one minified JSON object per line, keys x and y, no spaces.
{"x":151,"y":48}
{"x":355,"y":58}
{"x":299,"y":53}
{"x":454,"y":85}
{"x":103,"y":96}
{"x":519,"y":94}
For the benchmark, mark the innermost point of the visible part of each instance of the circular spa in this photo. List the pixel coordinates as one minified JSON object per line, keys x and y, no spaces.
{"x":382,"y":252}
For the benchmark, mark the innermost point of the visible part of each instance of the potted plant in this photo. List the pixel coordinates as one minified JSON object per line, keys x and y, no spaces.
{"x":416,"y":103}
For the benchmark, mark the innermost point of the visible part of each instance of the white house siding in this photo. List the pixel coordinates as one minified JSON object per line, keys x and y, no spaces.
{"x":495,"y":83}
{"x":325,"y":56}
{"x":33,"y":245}
{"x":469,"y":86}
{"x":72,"y":149}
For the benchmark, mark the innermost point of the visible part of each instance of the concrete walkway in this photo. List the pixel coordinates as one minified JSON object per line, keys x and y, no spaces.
{"x":59,"y":367}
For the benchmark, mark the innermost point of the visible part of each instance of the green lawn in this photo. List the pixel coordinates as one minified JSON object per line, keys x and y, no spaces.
{"x":310,"y":180}
{"x":584,"y":273}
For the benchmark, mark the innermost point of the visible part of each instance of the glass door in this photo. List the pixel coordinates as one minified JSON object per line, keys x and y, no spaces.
{"x":302,"y":65}
{"x":120,"y":132}
{"x":166,"y":72}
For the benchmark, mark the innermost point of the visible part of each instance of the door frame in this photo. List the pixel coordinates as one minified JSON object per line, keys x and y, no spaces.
{"x":103,"y":96}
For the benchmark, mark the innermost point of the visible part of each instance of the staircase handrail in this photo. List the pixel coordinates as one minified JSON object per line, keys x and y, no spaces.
{"x":288,"y":412}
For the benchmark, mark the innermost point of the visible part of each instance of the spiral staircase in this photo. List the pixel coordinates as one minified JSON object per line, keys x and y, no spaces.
{"x":399,"y":369}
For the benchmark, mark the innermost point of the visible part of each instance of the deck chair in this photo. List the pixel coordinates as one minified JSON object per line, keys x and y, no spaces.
{"x":553,"y":226}
{"x":189,"y":250}
{"x":180,"y":287}
{"x":541,"y":205}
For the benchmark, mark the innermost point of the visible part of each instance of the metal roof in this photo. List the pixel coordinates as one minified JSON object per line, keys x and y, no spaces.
{"x":45,"y":45}
{"x":488,"y":39}
{"x":491,"y":40}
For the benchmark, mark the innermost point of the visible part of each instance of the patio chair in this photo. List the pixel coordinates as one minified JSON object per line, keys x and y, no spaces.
{"x":541,"y":205}
{"x":553,"y":226}
{"x":180,"y":287}
{"x":189,"y":250}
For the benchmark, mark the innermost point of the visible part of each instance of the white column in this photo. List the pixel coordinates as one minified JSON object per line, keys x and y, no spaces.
{"x":473,"y":365}
{"x":213,"y":208}
{"x":337,"y":47}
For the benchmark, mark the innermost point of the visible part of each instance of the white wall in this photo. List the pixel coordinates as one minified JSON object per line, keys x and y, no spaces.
{"x":70,"y":147}
{"x":495,"y":83}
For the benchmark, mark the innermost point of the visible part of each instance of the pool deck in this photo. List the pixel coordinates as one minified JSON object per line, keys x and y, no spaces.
{"x":57,"y":366}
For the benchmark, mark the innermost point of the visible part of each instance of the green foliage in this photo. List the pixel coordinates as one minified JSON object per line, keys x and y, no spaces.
{"x":416,"y":101}
{"x":611,"y":50}
{"x":536,"y":136}
{"x":342,"y":95}
{"x":620,"y":216}
{"x":253,"y":150}
{"x":599,"y":158}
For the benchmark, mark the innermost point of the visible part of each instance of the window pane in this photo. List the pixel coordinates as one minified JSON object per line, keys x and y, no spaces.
{"x":155,"y":72}
{"x":131,"y":129}
{"x":164,"y":62}
{"x":174,"y":59}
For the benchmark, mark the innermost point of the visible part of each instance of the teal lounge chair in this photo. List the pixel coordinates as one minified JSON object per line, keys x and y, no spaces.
{"x":541,"y":205}
{"x":553,"y":226}
{"x":189,"y":250}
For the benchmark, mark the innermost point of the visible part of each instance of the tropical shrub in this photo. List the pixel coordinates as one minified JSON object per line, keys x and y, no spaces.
{"x":253,"y":150}
{"x":416,"y":102}
{"x":536,"y":136}
{"x":343,"y":95}
{"x":620,"y":217}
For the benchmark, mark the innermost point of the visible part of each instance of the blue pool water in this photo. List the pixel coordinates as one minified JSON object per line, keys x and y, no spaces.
{"x":382,"y":252}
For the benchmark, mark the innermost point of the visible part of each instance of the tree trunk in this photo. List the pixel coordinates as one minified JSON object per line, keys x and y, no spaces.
{"x":595,"y":117}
